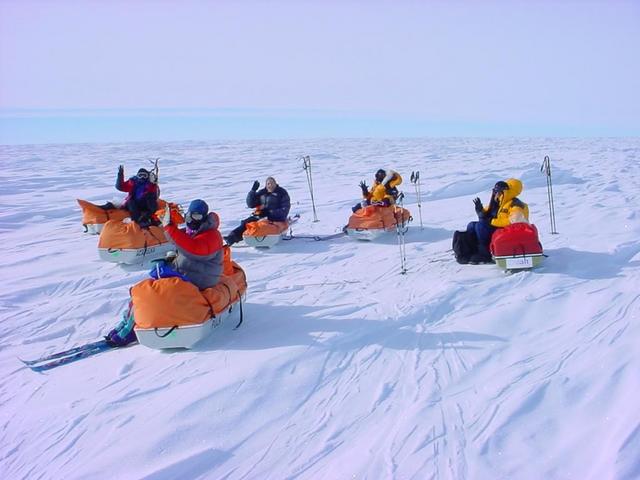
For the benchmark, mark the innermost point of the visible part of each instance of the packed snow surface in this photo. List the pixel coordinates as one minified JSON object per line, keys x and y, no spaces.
{"x":344,"y":368}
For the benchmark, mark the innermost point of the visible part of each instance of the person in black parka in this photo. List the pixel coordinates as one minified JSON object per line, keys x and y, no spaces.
{"x":271,"y":202}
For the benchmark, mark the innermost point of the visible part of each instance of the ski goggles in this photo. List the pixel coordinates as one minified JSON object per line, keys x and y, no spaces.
{"x":143,"y":175}
{"x":193,"y":216}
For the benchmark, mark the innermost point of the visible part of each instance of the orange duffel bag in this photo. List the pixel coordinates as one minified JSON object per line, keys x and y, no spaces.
{"x":265,"y":227}
{"x":377,"y":217}
{"x":92,"y":214}
{"x":117,"y":234}
{"x":170,"y":302}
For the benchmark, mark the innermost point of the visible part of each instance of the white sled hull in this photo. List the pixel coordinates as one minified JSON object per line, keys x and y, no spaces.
{"x":134,"y":256}
{"x":518,"y":262}
{"x":364,"y":234}
{"x":93,"y":228}
{"x":179,"y":337}
{"x":266,"y":241}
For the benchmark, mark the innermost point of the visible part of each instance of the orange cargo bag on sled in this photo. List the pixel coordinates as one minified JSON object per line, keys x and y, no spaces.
{"x":93,"y":216}
{"x":265,"y":227}
{"x":376,"y":217}
{"x":168,"y":302}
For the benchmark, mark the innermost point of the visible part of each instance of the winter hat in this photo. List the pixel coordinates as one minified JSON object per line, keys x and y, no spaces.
{"x":196,"y":214}
{"x":143,"y":173}
{"x":199,"y":206}
{"x":380,"y":174}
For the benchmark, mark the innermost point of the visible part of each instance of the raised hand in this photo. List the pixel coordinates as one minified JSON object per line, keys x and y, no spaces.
{"x":256,"y":186}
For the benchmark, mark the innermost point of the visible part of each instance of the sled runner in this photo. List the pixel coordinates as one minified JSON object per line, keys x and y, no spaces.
{"x":173,"y":313}
{"x":372,"y":221}
{"x":516,"y":247}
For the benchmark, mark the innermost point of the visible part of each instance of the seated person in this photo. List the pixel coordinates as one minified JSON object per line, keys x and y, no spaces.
{"x":142,"y":198}
{"x":271,"y":202}
{"x":504,"y":208}
{"x":198,"y":246}
{"x":384,"y":191}
{"x":199,"y":259}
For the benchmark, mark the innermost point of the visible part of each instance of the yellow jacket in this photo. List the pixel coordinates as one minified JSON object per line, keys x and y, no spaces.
{"x":379,"y":190}
{"x":510,"y":205}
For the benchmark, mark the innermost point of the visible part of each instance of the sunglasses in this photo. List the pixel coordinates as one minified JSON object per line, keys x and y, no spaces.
{"x":193,"y":216}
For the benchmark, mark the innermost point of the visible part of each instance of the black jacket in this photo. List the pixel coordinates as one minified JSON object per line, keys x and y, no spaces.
{"x":275,"y":206}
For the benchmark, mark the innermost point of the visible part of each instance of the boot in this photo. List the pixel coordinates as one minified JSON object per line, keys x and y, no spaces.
{"x":482,"y":256}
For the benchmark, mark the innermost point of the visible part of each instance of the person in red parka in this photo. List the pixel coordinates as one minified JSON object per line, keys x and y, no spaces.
{"x":142,"y":198}
{"x":199,"y":245}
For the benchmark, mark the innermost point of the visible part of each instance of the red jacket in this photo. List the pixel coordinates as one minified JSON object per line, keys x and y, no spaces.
{"x":203,"y":243}
{"x":199,"y":256}
{"x":137,"y":190}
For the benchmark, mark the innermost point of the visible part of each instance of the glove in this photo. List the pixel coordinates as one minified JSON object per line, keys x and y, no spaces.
{"x":478,"y":203}
{"x":121,"y":170}
{"x":166,"y":217}
{"x":255,"y":186}
{"x":364,"y":187}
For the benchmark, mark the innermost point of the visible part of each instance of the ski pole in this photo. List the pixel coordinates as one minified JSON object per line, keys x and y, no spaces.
{"x":546,"y":168}
{"x":415,"y":179}
{"x":155,"y":170}
{"x":400,"y":231}
{"x":306,"y":165}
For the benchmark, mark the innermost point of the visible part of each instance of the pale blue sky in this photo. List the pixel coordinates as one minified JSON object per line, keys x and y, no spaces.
{"x":347,"y":68}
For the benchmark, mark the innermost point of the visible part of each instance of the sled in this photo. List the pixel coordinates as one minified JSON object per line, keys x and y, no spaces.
{"x":266,"y":233}
{"x":131,"y":244}
{"x":172,"y":313}
{"x":365,"y":234}
{"x":95,"y":217}
{"x":373,"y":221}
{"x":516,"y":247}
{"x":185,"y":336}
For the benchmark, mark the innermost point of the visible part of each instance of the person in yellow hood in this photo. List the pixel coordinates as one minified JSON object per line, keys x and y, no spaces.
{"x":384,"y":191}
{"x":504,"y":208}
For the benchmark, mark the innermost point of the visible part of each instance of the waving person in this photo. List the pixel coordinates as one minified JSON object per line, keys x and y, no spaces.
{"x":504,"y":208}
{"x":143,"y":194}
{"x":384,"y":191}
{"x":271,"y":202}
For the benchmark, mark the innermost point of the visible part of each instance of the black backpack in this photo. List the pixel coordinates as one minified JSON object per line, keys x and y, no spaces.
{"x":464,"y":245}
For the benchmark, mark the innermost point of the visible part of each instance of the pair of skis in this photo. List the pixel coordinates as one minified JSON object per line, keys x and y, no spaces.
{"x":71,"y":355}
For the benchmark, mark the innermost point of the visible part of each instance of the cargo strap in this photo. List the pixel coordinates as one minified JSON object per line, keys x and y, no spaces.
{"x":241,"y":314}
{"x":165,"y":334}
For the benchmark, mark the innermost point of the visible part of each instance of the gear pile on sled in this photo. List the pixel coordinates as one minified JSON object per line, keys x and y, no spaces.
{"x":372,"y":221}
{"x":122,"y":240}
{"x":516,"y":247}
{"x":173,"y":313}
{"x":94,"y":217}
{"x":264,"y":233}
